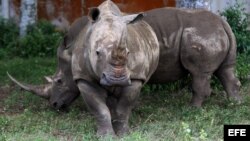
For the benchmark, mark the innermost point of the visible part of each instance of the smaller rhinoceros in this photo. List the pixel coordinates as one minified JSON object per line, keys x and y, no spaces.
{"x":60,"y":90}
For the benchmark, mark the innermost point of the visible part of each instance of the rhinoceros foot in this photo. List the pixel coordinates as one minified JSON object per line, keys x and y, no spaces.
{"x":105,"y":131}
{"x":196,"y":102}
{"x":235,"y":100}
{"x":121,"y":128}
{"x":233,"y":93}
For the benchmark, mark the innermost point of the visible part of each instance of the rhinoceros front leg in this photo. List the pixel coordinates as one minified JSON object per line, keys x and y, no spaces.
{"x":124,"y":105}
{"x":95,"y":98}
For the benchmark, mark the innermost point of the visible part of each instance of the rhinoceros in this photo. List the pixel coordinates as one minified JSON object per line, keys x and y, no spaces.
{"x":195,"y":42}
{"x":114,"y":55}
{"x":61,"y":89}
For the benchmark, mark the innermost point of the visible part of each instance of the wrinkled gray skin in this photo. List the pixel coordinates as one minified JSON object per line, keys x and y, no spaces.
{"x":114,"y":55}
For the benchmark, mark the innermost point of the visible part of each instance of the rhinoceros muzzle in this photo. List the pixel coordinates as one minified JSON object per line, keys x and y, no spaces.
{"x":59,"y":105}
{"x":114,"y":79}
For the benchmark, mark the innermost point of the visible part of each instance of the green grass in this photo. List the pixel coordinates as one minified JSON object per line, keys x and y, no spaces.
{"x":29,"y":70}
{"x":161,"y":114}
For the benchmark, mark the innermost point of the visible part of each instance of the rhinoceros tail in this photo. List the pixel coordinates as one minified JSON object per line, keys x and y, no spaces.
{"x":231,"y":56}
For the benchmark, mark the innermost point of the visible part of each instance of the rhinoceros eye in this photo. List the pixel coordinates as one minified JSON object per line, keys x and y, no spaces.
{"x":59,"y":81}
{"x":98,"y":52}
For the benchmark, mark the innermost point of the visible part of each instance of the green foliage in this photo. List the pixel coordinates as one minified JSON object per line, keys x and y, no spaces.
{"x":238,"y":19}
{"x":41,"y":40}
{"x":243,"y":67}
{"x":8,"y":37}
{"x":170,"y":87}
{"x":27,"y":69}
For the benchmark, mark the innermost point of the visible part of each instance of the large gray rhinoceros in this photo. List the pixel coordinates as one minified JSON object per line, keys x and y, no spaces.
{"x":191,"y":41}
{"x":114,"y":55}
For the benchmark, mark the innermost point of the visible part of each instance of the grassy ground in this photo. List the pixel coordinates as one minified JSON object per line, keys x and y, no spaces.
{"x":161,"y":114}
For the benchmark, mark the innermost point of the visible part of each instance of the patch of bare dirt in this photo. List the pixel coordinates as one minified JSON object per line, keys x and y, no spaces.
{"x":4,"y":93}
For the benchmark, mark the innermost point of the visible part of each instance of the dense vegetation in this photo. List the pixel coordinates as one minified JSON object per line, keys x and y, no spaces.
{"x":162,"y":112}
{"x":238,"y":19}
{"x":41,"y":40}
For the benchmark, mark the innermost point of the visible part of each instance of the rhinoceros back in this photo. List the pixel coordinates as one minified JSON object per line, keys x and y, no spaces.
{"x":179,"y":29}
{"x":168,"y":27}
{"x":64,"y":51}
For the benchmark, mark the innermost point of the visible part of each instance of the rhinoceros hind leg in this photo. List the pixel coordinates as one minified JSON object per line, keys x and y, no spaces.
{"x":201,"y":88}
{"x":230,"y":82}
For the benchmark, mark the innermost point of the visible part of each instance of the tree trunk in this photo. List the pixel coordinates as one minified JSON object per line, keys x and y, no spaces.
{"x":5,"y":9}
{"x":28,"y":15}
{"x":194,"y":4}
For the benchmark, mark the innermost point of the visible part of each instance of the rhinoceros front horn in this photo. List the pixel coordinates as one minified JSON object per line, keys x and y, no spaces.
{"x":40,"y":90}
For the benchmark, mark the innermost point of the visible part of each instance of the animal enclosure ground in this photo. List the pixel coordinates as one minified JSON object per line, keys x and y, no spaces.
{"x":160,"y":114}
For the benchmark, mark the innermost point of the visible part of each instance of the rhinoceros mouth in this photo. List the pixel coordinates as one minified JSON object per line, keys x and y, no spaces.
{"x":60,"y":107}
{"x":109,"y":80}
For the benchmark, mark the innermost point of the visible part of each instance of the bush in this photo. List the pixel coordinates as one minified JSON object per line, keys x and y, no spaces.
{"x":8,"y":37}
{"x":243,"y":67}
{"x":41,"y":40}
{"x":238,"y":19}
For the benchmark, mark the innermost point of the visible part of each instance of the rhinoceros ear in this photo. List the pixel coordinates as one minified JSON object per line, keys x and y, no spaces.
{"x":130,"y":19}
{"x":93,"y":14}
{"x":49,"y":79}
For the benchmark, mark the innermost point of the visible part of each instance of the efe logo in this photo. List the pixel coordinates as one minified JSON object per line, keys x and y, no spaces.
{"x":240,"y":132}
{"x":236,"y":132}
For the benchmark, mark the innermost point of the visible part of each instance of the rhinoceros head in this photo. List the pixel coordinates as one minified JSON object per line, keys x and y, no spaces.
{"x":60,"y":89}
{"x":60,"y":92}
{"x":107,"y":44}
